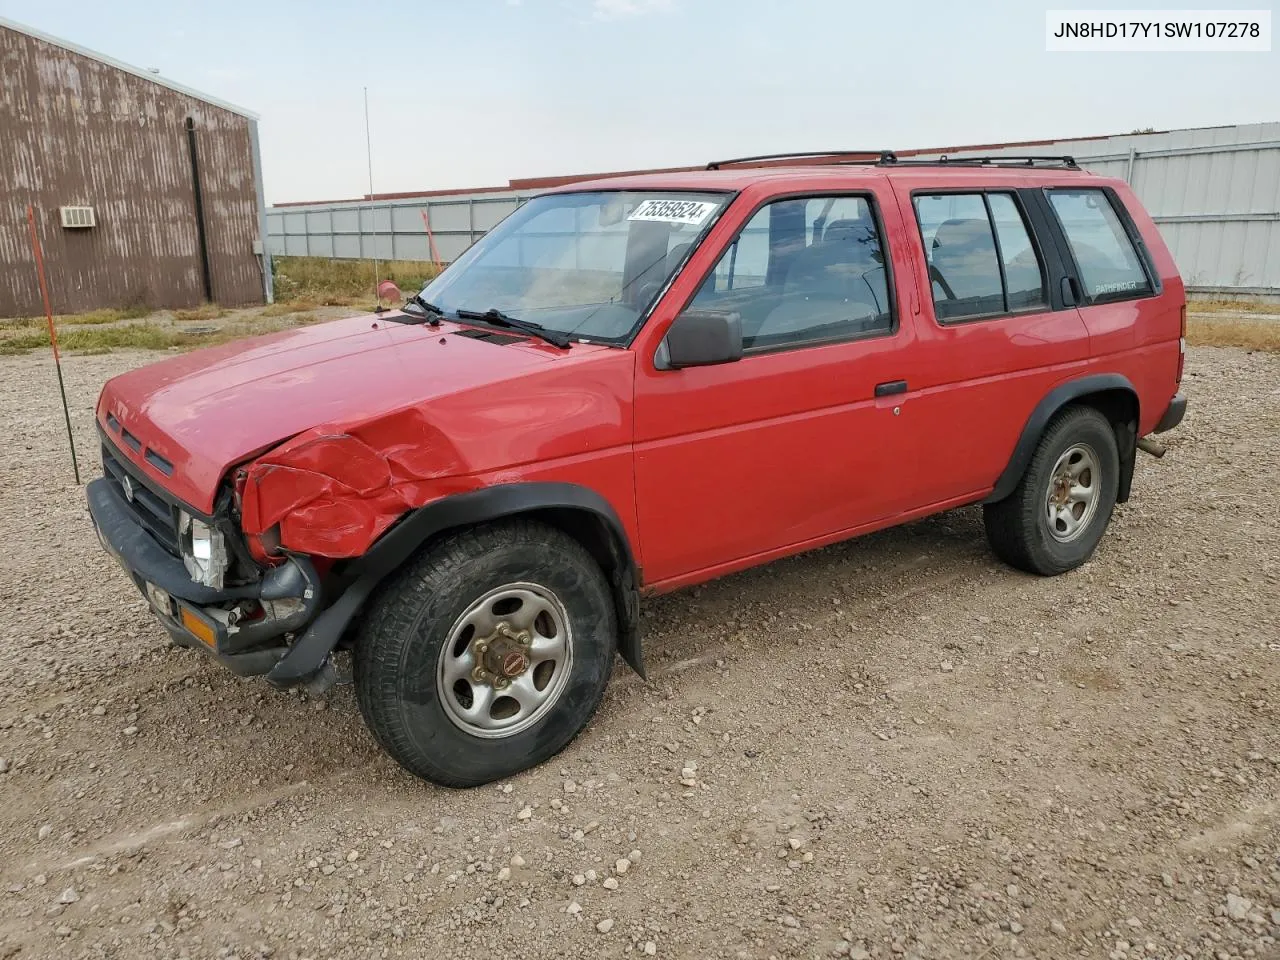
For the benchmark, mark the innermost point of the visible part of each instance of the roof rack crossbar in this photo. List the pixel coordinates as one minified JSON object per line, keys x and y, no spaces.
{"x":885,"y":156}
{"x":1009,"y":160}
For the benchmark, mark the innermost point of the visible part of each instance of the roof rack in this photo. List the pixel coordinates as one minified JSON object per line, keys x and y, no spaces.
{"x":1021,"y":160}
{"x":885,"y":156}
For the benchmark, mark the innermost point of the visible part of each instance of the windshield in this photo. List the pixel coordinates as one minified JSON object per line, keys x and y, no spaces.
{"x":586,"y":264}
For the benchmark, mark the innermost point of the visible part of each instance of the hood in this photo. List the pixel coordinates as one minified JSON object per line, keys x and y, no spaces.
{"x":206,"y":411}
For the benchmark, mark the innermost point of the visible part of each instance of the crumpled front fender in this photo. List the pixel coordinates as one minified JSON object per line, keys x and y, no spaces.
{"x":333,"y":492}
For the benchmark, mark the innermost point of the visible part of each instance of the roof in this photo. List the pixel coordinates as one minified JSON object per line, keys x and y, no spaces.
{"x":738,"y":178}
{"x":126,"y":68}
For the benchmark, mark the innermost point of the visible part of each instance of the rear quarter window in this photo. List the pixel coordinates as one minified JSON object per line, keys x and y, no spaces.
{"x":1109,"y":265}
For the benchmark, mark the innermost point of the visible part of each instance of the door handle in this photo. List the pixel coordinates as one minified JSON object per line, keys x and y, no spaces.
{"x":890,"y":387}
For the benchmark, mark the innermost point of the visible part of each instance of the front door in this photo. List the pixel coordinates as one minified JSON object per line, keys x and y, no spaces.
{"x":792,"y":443}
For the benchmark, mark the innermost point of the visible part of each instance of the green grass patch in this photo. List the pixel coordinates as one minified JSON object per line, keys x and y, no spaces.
{"x":21,"y":343}
{"x":1225,"y":332}
{"x":144,"y":336}
{"x":283,"y":308}
{"x":98,"y":317}
{"x":206,"y":311}
{"x":345,"y":283}
{"x":1219,"y":305}
{"x":92,"y":318}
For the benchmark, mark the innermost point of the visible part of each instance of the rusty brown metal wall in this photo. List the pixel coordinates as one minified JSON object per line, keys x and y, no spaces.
{"x":75,"y":130}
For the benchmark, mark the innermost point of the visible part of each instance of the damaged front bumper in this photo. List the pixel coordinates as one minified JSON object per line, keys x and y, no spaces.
{"x":287,"y":599}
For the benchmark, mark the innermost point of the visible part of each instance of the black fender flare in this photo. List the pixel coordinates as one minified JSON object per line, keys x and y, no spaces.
{"x":1050,"y":404}
{"x":418,"y":526}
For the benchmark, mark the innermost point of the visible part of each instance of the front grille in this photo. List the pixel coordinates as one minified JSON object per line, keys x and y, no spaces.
{"x":156,"y":514}
{"x":159,"y":462}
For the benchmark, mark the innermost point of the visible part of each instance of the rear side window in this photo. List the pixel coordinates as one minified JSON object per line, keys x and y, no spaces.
{"x":1024,"y":279}
{"x":1108,"y":263}
{"x":981,"y":260}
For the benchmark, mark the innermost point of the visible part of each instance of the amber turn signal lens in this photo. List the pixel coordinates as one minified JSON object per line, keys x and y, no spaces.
{"x":202,"y":630}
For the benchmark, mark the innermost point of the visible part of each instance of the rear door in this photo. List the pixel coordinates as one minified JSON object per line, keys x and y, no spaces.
{"x":1134,"y":321}
{"x":790,"y":445}
{"x":995,"y":333}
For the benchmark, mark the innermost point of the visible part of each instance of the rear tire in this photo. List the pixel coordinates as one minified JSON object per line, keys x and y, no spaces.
{"x":1057,"y":514}
{"x":483,"y":599}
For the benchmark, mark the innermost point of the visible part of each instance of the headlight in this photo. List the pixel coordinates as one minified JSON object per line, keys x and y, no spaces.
{"x":204,"y":552}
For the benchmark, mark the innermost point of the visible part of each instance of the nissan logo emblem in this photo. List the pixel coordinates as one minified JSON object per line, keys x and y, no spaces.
{"x":127,"y":485}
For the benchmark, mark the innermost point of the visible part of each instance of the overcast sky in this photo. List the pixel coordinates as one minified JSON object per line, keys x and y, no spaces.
{"x":470,"y":93}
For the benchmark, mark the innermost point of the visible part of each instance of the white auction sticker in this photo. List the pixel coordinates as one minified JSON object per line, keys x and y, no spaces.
{"x":673,"y":211}
{"x":1158,"y":31}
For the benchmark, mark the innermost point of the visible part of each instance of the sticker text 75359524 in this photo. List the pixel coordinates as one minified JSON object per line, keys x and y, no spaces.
{"x":673,"y":211}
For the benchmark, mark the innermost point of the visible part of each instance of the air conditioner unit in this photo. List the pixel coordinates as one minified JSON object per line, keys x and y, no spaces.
{"x":77,"y":217}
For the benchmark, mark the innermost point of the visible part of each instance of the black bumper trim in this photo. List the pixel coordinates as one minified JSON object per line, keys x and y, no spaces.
{"x":146,"y":561}
{"x":250,"y":663}
{"x":309,"y":653}
{"x":1173,"y":415}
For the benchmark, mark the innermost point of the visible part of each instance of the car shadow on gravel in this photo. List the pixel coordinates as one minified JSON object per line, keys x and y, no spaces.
{"x":857,"y":574}
{"x":210,"y":720}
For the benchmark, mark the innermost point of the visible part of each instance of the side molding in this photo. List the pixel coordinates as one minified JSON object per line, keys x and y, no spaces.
{"x":479,"y":506}
{"x":1052,"y":402}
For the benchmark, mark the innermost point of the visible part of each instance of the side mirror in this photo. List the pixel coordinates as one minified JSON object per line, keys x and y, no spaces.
{"x":700,"y":338}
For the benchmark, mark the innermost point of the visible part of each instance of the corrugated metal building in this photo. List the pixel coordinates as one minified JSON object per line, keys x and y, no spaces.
{"x":1213,"y":191}
{"x":152,"y":161}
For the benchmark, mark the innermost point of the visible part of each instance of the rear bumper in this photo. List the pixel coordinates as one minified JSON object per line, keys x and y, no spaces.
{"x":249,"y":647}
{"x":1173,"y":415}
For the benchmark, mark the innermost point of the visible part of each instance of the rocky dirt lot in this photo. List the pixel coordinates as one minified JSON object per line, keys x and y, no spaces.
{"x":895,"y":747}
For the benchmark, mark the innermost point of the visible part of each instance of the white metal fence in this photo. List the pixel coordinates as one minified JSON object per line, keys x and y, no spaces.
{"x":388,"y":229}
{"x":1214,"y":192}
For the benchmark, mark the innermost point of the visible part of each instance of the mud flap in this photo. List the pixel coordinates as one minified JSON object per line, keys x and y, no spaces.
{"x":627,"y":598}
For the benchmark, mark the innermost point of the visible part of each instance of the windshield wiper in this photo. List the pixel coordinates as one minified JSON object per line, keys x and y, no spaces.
{"x":497,"y":317}
{"x":429,"y":309}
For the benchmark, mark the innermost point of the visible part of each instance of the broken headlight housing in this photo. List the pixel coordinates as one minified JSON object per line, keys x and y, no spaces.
{"x":204,"y":551}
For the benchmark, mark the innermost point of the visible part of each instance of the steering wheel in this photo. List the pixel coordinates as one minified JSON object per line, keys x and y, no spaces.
{"x":936,"y":276}
{"x":646,"y":292}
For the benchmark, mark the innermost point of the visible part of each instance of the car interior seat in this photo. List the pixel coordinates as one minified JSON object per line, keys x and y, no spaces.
{"x":835,"y":281}
{"x":963,"y":263}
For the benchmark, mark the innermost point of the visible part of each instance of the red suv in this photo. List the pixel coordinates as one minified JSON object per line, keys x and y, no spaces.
{"x":631,"y":386}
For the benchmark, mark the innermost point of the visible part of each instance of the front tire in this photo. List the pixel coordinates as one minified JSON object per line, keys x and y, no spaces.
{"x":487,"y":654}
{"x":1055,"y":517}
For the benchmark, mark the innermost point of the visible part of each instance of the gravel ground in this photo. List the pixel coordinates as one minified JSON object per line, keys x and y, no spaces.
{"x":891,"y":747}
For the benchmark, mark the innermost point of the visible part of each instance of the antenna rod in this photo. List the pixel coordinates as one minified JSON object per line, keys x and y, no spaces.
{"x":373,"y":212}
{"x":431,"y":241}
{"x":53,"y":337}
